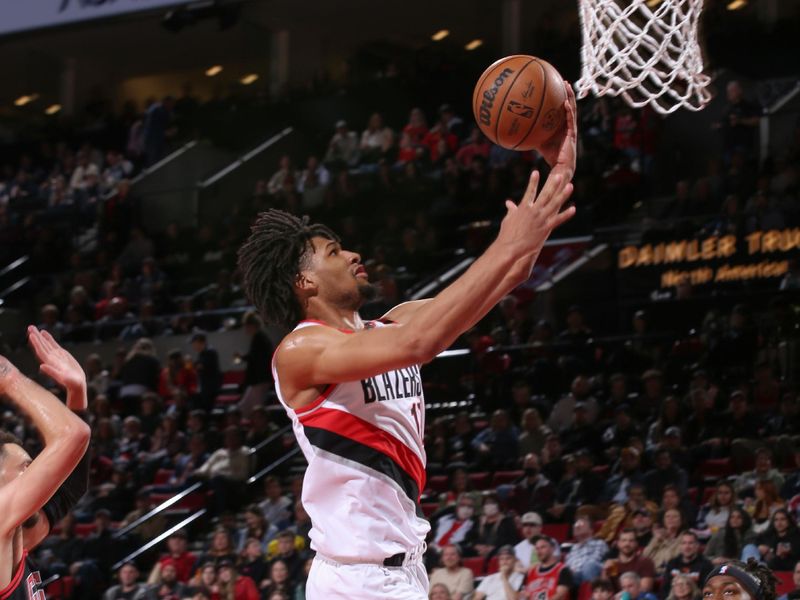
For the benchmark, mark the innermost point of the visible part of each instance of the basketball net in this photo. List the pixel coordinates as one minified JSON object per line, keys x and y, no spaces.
{"x":645,"y":51}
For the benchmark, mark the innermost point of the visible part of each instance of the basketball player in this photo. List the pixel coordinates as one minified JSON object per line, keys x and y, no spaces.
{"x":352,"y":388}
{"x":35,"y":494}
{"x":735,"y":580}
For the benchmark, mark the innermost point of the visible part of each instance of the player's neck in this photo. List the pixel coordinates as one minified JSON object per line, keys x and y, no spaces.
{"x":334,"y":316}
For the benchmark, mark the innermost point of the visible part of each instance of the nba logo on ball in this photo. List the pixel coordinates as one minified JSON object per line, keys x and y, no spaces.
{"x":520,"y":109}
{"x":518,"y":102}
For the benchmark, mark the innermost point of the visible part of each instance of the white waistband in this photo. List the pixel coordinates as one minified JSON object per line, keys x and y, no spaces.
{"x":412,"y":556}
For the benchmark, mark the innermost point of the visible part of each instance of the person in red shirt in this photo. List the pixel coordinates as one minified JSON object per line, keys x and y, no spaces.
{"x":242,"y":586}
{"x":177,"y":375}
{"x":183,"y":560}
{"x":550,"y":579}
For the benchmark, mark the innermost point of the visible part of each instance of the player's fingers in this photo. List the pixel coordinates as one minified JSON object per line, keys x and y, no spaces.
{"x":510,"y":206}
{"x":50,"y":340}
{"x":50,"y":371}
{"x":564,"y":216}
{"x":561,"y":197}
{"x":533,"y":187}
{"x":551,"y":189}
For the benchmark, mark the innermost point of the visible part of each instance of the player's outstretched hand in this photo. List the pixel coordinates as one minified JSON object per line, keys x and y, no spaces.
{"x":527,"y":225}
{"x":58,"y":364}
{"x":560,"y":151}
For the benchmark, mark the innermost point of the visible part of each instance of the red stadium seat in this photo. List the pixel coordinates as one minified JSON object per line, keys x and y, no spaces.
{"x":707,"y":493}
{"x":163,"y":476}
{"x":84,"y":529}
{"x":584,"y":591}
{"x":494,"y":565}
{"x":716,"y":468}
{"x":61,"y":588}
{"x":785,"y":582}
{"x":559,"y":531}
{"x":227,"y":399}
{"x":480,"y":481}
{"x":474,"y":564}
{"x":428,"y":508}
{"x":233,"y":377}
{"x":691,"y":494}
{"x":438,"y":483}
{"x":503,"y":477}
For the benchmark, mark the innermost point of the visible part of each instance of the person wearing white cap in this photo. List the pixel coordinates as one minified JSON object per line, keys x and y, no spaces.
{"x":506,"y":583}
{"x":525,"y":551}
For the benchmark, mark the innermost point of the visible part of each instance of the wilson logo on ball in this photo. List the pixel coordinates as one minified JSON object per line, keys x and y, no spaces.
{"x":520,"y":109}
{"x":489,"y":96}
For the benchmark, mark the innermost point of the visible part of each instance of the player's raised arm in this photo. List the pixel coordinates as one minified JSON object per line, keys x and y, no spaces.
{"x":66,"y":438}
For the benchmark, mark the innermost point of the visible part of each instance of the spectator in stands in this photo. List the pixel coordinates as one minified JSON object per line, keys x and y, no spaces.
{"x":525,"y":550}
{"x":714,"y":515}
{"x":253,"y":561}
{"x":457,"y":578}
{"x":152,"y":527}
{"x":665,"y":544}
{"x":584,"y":488}
{"x":671,"y":498}
{"x":101,"y":547}
{"x":496,"y":446}
{"x":177,"y":375}
{"x":533,"y":432}
{"x":665,"y":473}
{"x":209,"y":374}
{"x":302,"y":523}
{"x":256,"y":527}
{"x":766,"y":504}
{"x":179,"y":555}
{"x":739,"y":121}
{"x":287,"y":553}
{"x":157,"y":129}
{"x":459,"y":443}
{"x":534,"y":492}
{"x":439,"y":591}
{"x":313,"y":183}
{"x":140,"y":372}
{"x":128,"y":587}
{"x":258,"y":375}
{"x":377,"y":140}
{"x":585,"y":557}
{"x":582,"y":433}
{"x":133,"y":442}
{"x":763,"y":471}
{"x":234,"y":585}
{"x":795,"y":593}
{"x":791,"y":486}
{"x":621,"y":516}
{"x":684,"y":587}
{"x":455,"y":526}
{"x":343,"y":149}
{"x":622,"y":431}
{"x":275,"y":505}
{"x":284,"y":179}
{"x":627,"y":474}
{"x":50,"y":321}
{"x":631,"y":585}
{"x":602,"y":590}
{"x":226,"y":470}
{"x":629,"y":559}
{"x":494,"y":529}
{"x":221,"y":547}
{"x":550,"y":579}
{"x":475,"y":145}
{"x":779,"y":545}
{"x":689,"y":562}
{"x":506,"y":583}
{"x":729,"y":542}
{"x":165,"y":585}
{"x":564,"y":411}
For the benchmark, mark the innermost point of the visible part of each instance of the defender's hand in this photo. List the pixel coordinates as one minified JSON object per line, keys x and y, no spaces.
{"x":60,"y":366}
{"x":560,"y":151}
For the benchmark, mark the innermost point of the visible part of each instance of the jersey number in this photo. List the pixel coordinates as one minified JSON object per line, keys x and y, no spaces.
{"x":32,"y":582}
{"x":417,"y":413}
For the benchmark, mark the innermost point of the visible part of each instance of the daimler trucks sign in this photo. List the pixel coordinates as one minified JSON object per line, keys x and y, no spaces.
{"x":25,"y":15}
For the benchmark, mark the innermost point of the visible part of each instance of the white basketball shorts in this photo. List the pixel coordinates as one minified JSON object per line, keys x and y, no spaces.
{"x":330,"y":580}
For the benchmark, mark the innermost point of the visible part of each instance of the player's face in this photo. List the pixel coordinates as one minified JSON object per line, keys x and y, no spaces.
{"x":338,"y":274}
{"x":13,"y":463}
{"x":724,"y":587}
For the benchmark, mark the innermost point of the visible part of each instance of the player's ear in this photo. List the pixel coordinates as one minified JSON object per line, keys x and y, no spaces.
{"x":305,"y":282}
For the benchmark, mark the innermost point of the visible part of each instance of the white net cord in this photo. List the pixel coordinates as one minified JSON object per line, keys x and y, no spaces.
{"x":646,"y":56}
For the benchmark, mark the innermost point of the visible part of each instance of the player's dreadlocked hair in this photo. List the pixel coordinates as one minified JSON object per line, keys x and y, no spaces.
{"x":271,"y":259}
{"x":767,"y":582}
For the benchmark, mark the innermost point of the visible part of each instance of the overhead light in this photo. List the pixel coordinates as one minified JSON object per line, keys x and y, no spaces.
{"x":248,"y":79}
{"x":653,"y":3}
{"x":52,"y":109}
{"x":474,"y":44}
{"x":214,"y":71}
{"x":27,"y":99}
{"x":440,"y":35}
{"x":737,"y":4}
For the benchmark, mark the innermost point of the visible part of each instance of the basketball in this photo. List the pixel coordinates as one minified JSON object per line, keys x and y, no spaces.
{"x":519,"y":102}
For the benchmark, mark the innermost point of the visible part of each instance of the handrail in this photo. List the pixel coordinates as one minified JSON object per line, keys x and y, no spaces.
{"x":14,"y":264}
{"x":245,"y":157}
{"x":261,"y":445}
{"x":13,"y":288}
{"x":159,"y":538}
{"x":272,"y":465}
{"x":161,"y":507}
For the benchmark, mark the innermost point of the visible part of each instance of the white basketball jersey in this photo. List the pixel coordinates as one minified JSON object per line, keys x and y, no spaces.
{"x":363,"y":441}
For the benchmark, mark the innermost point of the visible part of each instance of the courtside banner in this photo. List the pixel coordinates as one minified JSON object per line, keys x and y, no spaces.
{"x":26,"y":15}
